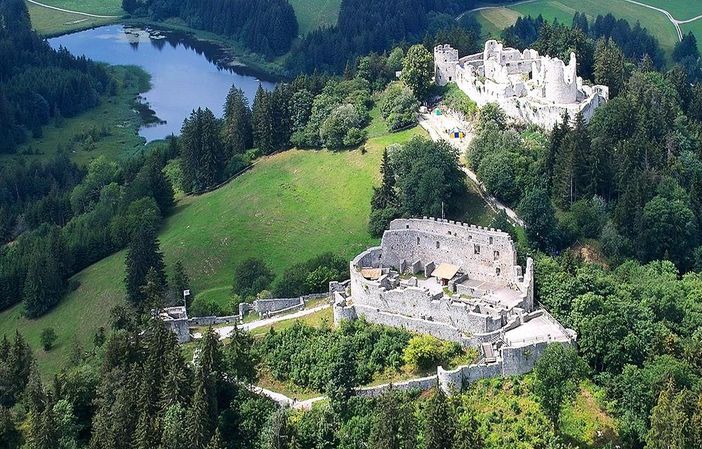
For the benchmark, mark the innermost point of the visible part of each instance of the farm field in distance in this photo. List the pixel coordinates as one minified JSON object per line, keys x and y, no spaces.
{"x":49,"y":22}
{"x":495,"y":19}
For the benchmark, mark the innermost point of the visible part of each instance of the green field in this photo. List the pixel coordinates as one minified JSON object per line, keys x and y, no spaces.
{"x":287,"y":209}
{"x":496,"y":19}
{"x":313,"y":14}
{"x":49,"y":22}
{"x":115,"y":117}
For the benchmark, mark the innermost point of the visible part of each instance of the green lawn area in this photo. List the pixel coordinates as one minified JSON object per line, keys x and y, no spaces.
{"x":49,"y":22}
{"x":313,"y":14}
{"x":115,"y":115}
{"x":494,"y":20}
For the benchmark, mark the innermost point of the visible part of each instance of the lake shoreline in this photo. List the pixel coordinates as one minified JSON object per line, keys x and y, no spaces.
{"x":201,"y":72}
{"x":233,"y":56}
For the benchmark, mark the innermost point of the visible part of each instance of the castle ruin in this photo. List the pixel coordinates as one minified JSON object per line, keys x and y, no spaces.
{"x":530,"y":88}
{"x":456,"y":282}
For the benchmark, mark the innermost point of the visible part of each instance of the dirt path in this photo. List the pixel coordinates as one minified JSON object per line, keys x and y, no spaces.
{"x":86,"y":14}
{"x":436,"y":126}
{"x":226,"y":330}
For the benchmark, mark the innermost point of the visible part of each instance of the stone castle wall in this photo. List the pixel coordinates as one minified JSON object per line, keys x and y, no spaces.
{"x":483,"y":254}
{"x":530,"y":88}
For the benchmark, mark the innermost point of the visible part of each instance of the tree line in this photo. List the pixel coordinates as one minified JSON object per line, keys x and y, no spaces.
{"x":366,"y":26}
{"x":39,"y":84}
{"x":264,"y":26}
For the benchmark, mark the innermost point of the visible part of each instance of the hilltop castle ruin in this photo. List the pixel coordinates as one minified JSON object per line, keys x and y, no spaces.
{"x":530,"y":88}
{"x":456,"y":282}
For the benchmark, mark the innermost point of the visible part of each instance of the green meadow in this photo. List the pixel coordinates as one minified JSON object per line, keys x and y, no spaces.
{"x":313,"y":14}
{"x":495,"y":19}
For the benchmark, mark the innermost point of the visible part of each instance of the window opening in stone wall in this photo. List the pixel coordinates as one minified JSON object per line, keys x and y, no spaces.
{"x":491,"y":240}
{"x":497,"y":271}
{"x":417,"y":240}
{"x":496,"y":254}
{"x":437,"y":245}
{"x":476,"y":249}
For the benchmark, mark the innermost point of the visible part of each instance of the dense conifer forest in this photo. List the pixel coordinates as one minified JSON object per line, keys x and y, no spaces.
{"x":39,"y":84}
{"x":264,"y":26}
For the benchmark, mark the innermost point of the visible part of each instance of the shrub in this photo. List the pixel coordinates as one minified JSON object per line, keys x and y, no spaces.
{"x":398,"y":106}
{"x":251,"y":277}
{"x":48,"y":337}
{"x":425,"y":351}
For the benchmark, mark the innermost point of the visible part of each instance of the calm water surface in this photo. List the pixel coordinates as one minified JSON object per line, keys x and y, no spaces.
{"x":185,"y":73}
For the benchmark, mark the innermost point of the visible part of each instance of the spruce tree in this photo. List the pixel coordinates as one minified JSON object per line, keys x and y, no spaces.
{"x":609,"y":66}
{"x":439,"y":421}
{"x":200,"y":420}
{"x":216,"y":441}
{"x":202,"y":151}
{"x":385,"y":195}
{"x":43,"y":284}
{"x":179,"y":280}
{"x":263,"y":124}
{"x":238,"y":132}
{"x":143,"y":254}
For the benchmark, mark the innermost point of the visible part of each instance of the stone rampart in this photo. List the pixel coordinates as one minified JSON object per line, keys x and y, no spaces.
{"x":422,"y":384}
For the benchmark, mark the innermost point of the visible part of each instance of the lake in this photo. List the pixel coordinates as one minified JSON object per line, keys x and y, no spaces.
{"x":185,"y":73}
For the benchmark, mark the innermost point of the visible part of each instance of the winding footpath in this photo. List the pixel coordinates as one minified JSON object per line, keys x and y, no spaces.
{"x":86,"y":14}
{"x":224,"y":331}
{"x":436,"y":126}
{"x":676,"y":23}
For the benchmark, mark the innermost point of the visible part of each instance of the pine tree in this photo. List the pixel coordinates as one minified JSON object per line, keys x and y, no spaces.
{"x":439,"y":422}
{"x":385,"y":196}
{"x":43,"y":285}
{"x":670,"y":421}
{"x":200,"y":419}
{"x":180,"y":280}
{"x":393,"y":426}
{"x":238,"y":132}
{"x":143,"y":254}
{"x":263,"y":124}
{"x":240,"y":356}
{"x":153,"y":290}
{"x":216,"y":441}
{"x":609,"y":66}
{"x":202,"y":151}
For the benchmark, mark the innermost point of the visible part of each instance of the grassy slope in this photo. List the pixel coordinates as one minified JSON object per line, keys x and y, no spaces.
{"x":49,"y":22}
{"x":312,"y":14}
{"x":290,"y":207}
{"x":494,"y":20}
{"x":116,"y":114}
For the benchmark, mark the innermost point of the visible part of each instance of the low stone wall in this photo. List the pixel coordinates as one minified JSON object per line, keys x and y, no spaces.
{"x":422,"y":384}
{"x":266,"y":306}
{"x":212,"y":320}
{"x":272,"y":306}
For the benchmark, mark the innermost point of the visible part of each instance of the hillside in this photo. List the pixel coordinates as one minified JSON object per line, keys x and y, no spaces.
{"x":288,"y":208}
{"x":493,"y":20}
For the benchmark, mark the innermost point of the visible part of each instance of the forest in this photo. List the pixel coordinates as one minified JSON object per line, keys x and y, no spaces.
{"x":264,"y":26}
{"x":39,"y":85}
{"x":628,"y":178}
